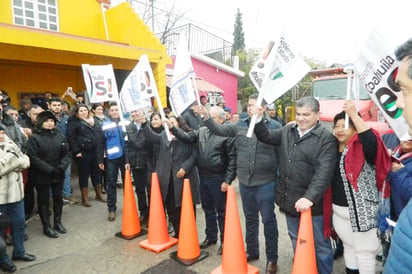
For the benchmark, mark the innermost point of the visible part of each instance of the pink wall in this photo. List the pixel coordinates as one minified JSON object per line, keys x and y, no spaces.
{"x":224,"y":80}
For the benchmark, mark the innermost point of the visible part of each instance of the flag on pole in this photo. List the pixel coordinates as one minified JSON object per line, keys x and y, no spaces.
{"x":100,"y":83}
{"x":377,"y":68}
{"x":278,"y":69}
{"x":182,"y":93}
{"x":139,"y":87}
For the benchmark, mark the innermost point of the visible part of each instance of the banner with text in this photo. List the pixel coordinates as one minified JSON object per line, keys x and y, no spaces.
{"x":100,"y":83}
{"x":182,"y":93}
{"x":278,"y":69}
{"x":139,"y":87}
{"x":377,"y":69}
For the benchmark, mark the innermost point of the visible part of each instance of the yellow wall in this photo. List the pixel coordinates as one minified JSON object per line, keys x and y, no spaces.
{"x":78,"y":18}
{"x":18,"y":77}
{"x":81,"y":17}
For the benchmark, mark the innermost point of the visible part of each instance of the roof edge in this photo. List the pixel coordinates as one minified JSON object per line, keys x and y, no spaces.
{"x":217,"y":64}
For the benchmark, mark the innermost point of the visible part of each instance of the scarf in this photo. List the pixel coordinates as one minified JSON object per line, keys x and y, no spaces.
{"x":354,"y":162}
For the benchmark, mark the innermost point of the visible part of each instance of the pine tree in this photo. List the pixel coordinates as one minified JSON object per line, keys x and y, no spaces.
{"x":238,"y":34}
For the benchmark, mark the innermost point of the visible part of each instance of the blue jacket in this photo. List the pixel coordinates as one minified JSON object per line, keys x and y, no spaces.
{"x":110,"y":141}
{"x":400,"y":253}
{"x":401,"y":186}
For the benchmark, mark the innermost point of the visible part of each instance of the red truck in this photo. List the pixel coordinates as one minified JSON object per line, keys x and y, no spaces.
{"x":329,"y":87}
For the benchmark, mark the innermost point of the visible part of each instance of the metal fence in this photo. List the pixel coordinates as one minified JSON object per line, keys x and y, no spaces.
{"x":200,"y":41}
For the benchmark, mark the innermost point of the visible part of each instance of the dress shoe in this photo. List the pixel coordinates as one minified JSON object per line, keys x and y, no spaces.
{"x":250,"y":258}
{"x":112,"y":216}
{"x":206,"y":243}
{"x":8,"y":267}
{"x":220,"y":250}
{"x":25,"y":257}
{"x":49,"y":232}
{"x":170,"y":228}
{"x":271,"y":267}
{"x":60,"y":228}
{"x":143,"y":219}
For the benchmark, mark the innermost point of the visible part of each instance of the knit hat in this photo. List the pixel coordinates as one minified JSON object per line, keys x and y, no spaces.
{"x":43,"y":116}
{"x":1,"y":127}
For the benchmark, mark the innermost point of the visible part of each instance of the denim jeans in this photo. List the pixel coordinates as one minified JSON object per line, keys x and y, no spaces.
{"x":15,"y":212}
{"x":214,"y":205}
{"x":67,"y":188}
{"x":261,"y":199}
{"x":323,"y":248}
{"x":112,"y":169}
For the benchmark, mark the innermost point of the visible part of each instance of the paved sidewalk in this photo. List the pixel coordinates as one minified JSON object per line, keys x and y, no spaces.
{"x":90,"y":246}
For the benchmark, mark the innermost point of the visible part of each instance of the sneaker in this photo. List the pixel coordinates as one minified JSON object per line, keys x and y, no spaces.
{"x":70,"y":200}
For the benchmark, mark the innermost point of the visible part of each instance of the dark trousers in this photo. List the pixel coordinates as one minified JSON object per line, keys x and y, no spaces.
{"x":112,"y":169}
{"x":28,"y":199}
{"x":142,"y":188}
{"x":214,"y":205}
{"x":87,"y":166}
{"x":43,"y":194}
{"x":43,"y":202}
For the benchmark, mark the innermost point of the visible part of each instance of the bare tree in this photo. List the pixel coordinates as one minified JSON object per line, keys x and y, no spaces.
{"x":161,"y":19}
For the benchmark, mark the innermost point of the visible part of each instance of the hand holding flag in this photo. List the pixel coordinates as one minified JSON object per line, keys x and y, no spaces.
{"x":278,"y":69}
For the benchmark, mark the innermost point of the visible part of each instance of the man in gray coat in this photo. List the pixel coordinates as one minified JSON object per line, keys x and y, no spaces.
{"x":307,"y":157}
{"x":257,"y":173}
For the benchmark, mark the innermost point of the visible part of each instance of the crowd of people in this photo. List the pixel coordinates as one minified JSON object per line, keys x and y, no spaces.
{"x":347,"y":178}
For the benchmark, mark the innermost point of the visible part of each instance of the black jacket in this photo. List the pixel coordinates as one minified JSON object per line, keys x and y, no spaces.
{"x":306,"y":164}
{"x":49,"y":156}
{"x":81,"y":136}
{"x":257,"y":162}
{"x":136,"y":147}
{"x":192,"y":120}
{"x":215,"y":155}
{"x":174,"y":155}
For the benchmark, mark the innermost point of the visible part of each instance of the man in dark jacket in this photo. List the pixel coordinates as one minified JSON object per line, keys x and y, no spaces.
{"x":307,"y":154}
{"x":191,"y":116}
{"x":257,"y":172}
{"x":216,"y":161}
{"x":136,"y":159}
{"x":29,"y":126}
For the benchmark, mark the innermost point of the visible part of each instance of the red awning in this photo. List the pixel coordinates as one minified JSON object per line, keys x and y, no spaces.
{"x":202,"y":85}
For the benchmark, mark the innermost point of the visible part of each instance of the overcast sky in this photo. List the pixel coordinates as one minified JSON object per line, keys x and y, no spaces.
{"x":329,"y":30}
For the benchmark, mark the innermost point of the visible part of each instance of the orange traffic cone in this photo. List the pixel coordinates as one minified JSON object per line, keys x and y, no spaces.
{"x":305,"y":258}
{"x":234,"y":255}
{"x":188,"y":250}
{"x":158,"y":237}
{"x":131,"y":224}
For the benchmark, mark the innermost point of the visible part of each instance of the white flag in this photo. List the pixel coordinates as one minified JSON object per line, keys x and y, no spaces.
{"x":100,"y":83}
{"x":182,"y":94}
{"x":138,"y":87}
{"x":377,"y":67}
{"x":278,"y":69}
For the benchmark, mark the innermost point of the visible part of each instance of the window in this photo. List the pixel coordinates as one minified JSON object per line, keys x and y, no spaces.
{"x":36,"y":13}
